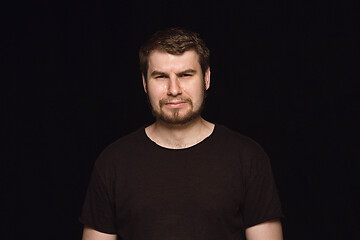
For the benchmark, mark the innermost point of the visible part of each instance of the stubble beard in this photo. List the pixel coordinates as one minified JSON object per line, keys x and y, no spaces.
{"x":174,"y":116}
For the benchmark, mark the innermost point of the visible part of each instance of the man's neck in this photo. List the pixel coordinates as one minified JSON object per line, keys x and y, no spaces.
{"x":179,"y":136}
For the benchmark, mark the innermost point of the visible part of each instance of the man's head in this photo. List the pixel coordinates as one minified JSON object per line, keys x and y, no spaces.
{"x":174,"y":41}
{"x":176,"y":75}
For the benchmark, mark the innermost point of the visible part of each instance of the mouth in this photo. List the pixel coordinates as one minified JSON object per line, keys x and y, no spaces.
{"x":174,"y":103}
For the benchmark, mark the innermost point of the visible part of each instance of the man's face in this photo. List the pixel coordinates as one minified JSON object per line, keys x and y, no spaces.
{"x":176,"y":86}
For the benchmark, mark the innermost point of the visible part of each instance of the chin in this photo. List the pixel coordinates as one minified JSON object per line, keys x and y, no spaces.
{"x":178,"y":120}
{"x":179,"y":116}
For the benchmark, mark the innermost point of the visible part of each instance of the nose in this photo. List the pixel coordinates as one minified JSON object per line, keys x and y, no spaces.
{"x":174,"y":86}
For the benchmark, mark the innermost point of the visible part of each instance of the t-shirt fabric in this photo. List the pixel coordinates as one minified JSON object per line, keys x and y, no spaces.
{"x":213,"y":190}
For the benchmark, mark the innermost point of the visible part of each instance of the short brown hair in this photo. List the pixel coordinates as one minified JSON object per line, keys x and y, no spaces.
{"x":174,"y":41}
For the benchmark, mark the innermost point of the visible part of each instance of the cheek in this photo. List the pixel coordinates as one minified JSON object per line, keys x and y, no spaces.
{"x":196,"y":91}
{"x":156,"y":92}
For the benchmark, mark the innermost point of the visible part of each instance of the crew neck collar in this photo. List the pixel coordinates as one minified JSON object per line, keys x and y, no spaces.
{"x":199,"y":144}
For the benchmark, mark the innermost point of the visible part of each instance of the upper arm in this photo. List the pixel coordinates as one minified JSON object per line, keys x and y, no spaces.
{"x":92,"y":234}
{"x":270,"y":230}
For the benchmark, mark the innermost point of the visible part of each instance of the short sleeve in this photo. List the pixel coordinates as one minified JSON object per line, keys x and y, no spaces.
{"x":261,"y":201}
{"x":98,"y":208}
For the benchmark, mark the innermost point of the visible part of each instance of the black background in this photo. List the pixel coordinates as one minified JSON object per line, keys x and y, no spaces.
{"x":284,"y":73}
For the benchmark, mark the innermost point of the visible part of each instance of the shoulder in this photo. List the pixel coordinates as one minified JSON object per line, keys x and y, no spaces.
{"x":253,"y":161}
{"x":238,"y":146}
{"x":121,"y":149}
{"x":126,"y":143}
{"x":233,"y":138}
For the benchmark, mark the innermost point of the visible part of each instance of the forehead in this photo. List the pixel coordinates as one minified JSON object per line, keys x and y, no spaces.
{"x":166,"y":62}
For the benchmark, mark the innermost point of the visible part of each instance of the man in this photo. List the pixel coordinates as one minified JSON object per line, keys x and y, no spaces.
{"x":181,"y":177}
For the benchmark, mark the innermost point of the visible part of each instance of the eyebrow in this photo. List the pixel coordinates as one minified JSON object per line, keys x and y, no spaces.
{"x":154,"y":73}
{"x":187,"y":71}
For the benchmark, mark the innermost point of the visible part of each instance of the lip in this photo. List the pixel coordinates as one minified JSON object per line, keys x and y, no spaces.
{"x":175,"y":104}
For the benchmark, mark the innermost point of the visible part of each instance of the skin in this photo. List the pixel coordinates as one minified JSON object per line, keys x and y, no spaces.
{"x":92,"y":234}
{"x":270,"y":230}
{"x":175,"y":85}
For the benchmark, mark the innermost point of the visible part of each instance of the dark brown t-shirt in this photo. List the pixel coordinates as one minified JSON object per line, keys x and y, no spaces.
{"x":213,"y":190}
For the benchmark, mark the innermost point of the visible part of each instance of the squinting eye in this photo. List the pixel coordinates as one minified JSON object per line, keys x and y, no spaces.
{"x":186,"y":75}
{"x":160,"y":76}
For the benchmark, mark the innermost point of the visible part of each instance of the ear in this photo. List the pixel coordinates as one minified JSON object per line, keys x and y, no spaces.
{"x":144,"y":83}
{"x":207,"y":78}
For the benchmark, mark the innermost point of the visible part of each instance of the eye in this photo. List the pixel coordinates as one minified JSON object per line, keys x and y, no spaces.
{"x":186,"y":75}
{"x":160,"y":76}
